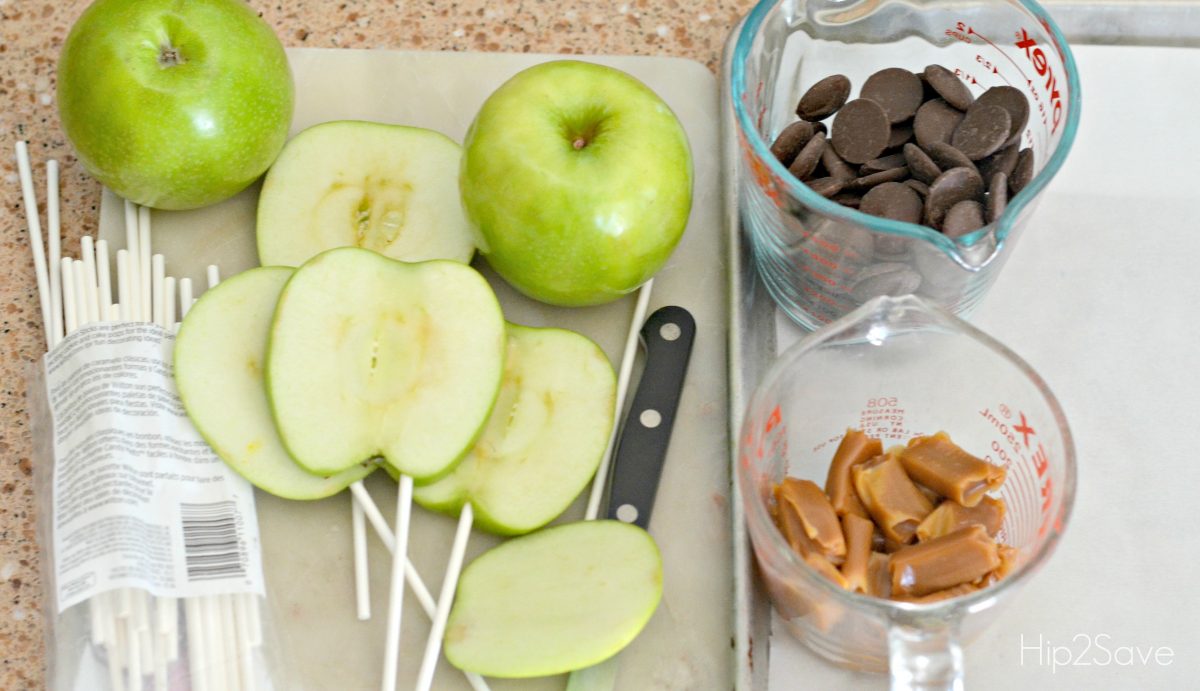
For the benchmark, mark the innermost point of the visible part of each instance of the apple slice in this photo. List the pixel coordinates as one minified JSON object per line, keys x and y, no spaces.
{"x":374,"y":357}
{"x":553,"y":601}
{"x":387,"y":188}
{"x":219,"y":373}
{"x":544,"y":438}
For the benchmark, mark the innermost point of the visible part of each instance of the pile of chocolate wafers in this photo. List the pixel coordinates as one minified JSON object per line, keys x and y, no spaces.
{"x":919,"y":148}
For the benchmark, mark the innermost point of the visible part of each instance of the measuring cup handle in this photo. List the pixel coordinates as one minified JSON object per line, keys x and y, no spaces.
{"x":925,"y":656}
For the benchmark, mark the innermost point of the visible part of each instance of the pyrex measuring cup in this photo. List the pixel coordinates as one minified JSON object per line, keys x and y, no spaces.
{"x":819,"y":259}
{"x":897,"y":368}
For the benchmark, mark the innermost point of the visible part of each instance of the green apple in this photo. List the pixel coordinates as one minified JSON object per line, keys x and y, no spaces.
{"x":219,"y":372}
{"x":554,"y":601}
{"x":579,"y":180}
{"x":371,"y":357}
{"x":172,"y":104}
{"x":387,"y":188}
{"x":544,"y":439}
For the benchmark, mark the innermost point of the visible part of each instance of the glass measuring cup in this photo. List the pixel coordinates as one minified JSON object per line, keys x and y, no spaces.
{"x":898,"y":368}
{"x":819,"y":259}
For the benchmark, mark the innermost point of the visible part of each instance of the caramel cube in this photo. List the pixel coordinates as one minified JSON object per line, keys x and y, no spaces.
{"x":879,"y":578}
{"x":858,"y":533}
{"x":944,"y":467}
{"x":817,"y":517}
{"x":855,"y":448}
{"x":891,"y":498}
{"x":939,"y":595}
{"x":949,"y":516}
{"x":789,"y":524}
{"x":963,"y":556}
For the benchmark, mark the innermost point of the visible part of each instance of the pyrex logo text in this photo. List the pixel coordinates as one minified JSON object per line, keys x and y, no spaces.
{"x":1042,"y":65}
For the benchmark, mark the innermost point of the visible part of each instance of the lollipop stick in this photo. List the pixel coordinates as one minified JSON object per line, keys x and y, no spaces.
{"x":157,"y":279}
{"x":87,"y":253}
{"x":391,"y":651}
{"x":185,"y":296}
{"x":362,"y":585}
{"x":627,"y":358}
{"x":35,"y":237}
{"x":103,"y":279}
{"x":135,"y":260}
{"x":379,"y":523}
{"x":433,"y":646}
{"x":143,"y":226}
{"x":54,"y":242}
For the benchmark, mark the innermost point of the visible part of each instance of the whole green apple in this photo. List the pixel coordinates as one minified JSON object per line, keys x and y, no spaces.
{"x":173,"y":104}
{"x":579,"y":180}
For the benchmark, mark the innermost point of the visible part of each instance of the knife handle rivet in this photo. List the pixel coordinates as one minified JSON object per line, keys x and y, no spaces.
{"x":670,"y":331}
{"x":650,"y":418}
{"x":627,"y":513}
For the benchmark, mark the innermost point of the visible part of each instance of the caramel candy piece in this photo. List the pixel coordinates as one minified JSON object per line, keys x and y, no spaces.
{"x":816,"y":515}
{"x":938,"y":596}
{"x":856,"y":447}
{"x":879,"y":578}
{"x":858,"y":533}
{"x":789,"y":524}
{"x":941,"y":465}
{"x":949,"y":516}
{"x":826,"y":568}
{"x":960,"y":557}
{"x":1008,"y":562}
{"x":892,"y":499}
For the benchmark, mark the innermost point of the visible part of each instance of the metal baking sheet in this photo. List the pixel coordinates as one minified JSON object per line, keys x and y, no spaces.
{"x":307,"y":548}
{"x":758,"y":331}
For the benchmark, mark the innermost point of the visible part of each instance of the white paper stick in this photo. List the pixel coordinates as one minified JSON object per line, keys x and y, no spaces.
{"x":168,"y":301}
{"x":197,"y":657}
{"x":627,"y":358}
{"x":603,"y":675}
{"x":213,"y":647}
{"x":245,"y":648}
{"x":116,"y":655}
{"x":87,"y":254}
{"x":185,"y":297}
{"x":157,"y":279}
{"x":134,"y":646}
{"x":362,"y":580}
{"x":166,"y":615}
{"x":384,"y":531}
{"x":142,"y":623}
{"x":81,"y":293}
{"x":124,"y":299}
{"x":28,"y":193}
{"x":135,"y":260}
{"x":433,"y":645}
{"x":229,"y":652}
{"x":391,"y":650}
{"x":103,"y":279}
{"x":144,"y":274}
{"x":213,"y":274}
{"x":54,"y":244}
{"x":70,"y":317}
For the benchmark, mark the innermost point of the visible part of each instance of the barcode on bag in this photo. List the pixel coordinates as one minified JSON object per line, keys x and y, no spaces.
{"x":212,"y":541}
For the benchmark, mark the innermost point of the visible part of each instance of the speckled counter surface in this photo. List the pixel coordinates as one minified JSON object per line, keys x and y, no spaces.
{"x":31,"y":34}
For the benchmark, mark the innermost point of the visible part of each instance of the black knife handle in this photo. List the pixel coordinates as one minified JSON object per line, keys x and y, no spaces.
{"x":637,"y":466}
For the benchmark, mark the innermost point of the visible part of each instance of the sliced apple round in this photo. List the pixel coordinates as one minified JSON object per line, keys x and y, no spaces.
{"x":219,"y":356}
{"x":349,"y":183}
{"x":371,"y":357}
{"x":544,"y":439}
{"x":554,"y":601}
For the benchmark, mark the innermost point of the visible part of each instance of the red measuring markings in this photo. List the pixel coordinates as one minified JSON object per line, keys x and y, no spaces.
{"x":1025,"y":430}
{"x":971,"y":30}
{"x":1041,"y":462}
{"x":1037,"y":57}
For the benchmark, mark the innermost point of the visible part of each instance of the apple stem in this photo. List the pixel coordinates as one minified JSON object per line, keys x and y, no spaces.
{"x":579,"y":143}
{"x":169,"y":56}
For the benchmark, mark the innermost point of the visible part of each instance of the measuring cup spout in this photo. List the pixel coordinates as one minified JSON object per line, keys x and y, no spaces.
{"x":978,"y":255}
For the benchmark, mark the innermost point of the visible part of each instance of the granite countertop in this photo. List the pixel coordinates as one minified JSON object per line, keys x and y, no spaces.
{"x":31,"y":34}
